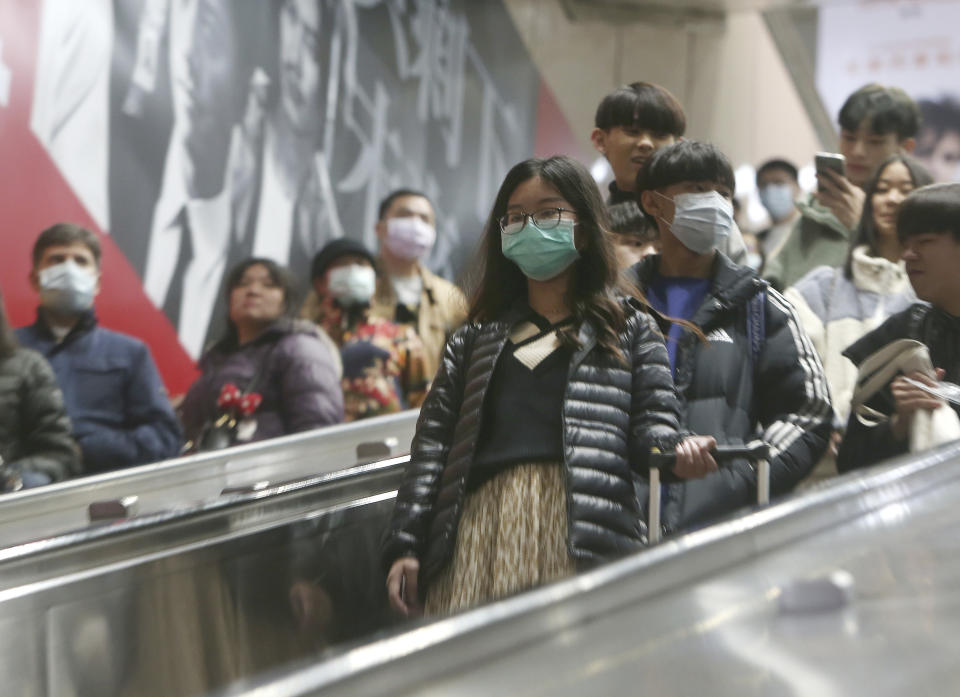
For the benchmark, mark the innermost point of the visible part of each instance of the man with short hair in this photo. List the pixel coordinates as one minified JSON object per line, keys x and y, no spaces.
{"x":751,"y":370}
{"x":407,"y":292}
{"x":631,"y":124}
{"x":875,"y":122}
{"x":120,"y":412}
{"x":779,"y":188}
{"x":928,"y":225}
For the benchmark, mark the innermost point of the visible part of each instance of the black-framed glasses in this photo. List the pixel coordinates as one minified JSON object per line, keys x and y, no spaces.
{"x":545,"y":219}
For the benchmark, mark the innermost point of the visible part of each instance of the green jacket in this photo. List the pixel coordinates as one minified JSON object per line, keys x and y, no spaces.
{"x":817,"y":239}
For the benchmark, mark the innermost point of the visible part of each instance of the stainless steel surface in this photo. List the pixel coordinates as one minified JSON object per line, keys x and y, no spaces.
{"x":181,"y":602}
{"x":700,"y":614}
{"x":37,"y":513}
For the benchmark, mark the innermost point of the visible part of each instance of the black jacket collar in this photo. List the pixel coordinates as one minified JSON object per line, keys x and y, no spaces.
{"x":86,"y":323}
{"x":731,"y":285}
{"x":618,"y":195}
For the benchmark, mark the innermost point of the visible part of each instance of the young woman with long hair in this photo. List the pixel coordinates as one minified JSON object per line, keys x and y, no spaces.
{"x":544,"y":411}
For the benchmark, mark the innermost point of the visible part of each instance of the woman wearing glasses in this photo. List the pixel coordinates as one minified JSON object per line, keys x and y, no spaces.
{"x":545,"y":408}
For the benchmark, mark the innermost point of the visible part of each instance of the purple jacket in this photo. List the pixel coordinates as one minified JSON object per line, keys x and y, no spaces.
{"x":299,"y":382}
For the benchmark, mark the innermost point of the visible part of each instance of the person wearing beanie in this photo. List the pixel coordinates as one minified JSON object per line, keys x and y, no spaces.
{"x":383,"y":361}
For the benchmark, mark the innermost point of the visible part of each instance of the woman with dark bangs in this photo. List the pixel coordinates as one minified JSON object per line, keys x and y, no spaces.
{"x":545,"y":409}
{"x":838,"y":305}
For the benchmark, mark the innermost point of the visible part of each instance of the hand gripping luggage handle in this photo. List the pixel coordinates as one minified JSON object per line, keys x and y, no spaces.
{"x":757,"y":451}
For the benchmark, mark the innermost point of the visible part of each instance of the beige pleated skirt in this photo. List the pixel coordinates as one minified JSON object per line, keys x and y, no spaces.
{"x":512,"y":537}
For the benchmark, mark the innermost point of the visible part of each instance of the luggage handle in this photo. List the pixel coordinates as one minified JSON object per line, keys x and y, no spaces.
{"x":757,"y":451}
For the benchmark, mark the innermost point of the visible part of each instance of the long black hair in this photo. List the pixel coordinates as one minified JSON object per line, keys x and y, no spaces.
{"x":595,"y":283}
{"x":8,"y":342}
{"x":866,"y":233}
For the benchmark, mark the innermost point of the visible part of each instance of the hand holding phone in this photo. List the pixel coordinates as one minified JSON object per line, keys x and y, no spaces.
{"x":830,"y":161}
{"x":835,"y":191}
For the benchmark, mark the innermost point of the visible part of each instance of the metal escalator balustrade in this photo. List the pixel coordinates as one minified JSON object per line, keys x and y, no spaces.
{"x":51,"y":510}
{"x":189,"y":600}
{"x":703,"y":612}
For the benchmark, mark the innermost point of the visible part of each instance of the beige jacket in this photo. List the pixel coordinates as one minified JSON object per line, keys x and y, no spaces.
{"x":443,"y":308}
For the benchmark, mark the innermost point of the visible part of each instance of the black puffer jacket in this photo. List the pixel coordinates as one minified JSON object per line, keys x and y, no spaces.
{"x":781,"y":397}
{"x":613,"y":415}
{"x":34,"y":428}
{"x":867,"y":445}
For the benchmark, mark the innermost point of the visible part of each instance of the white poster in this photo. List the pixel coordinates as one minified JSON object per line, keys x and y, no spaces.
{"x":910,"y":44}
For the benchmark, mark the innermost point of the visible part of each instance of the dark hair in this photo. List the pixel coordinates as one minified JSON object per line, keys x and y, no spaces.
{"x":278,"y":274}
{"x":866,"y":232}
{"x":596,"y":282}
{"x":780,"y":164}
{"x":8,"y":342}
{"x":65,"y":234}
{"x":626,"y":218}
{"x":394,"y":195}
{"x":333,"y":250}
{"x":886,"y":109}
{"x":688,"y":160}
{"x":939,"y":118}
{"x":934,"y":208}
{"x":641,"y":104}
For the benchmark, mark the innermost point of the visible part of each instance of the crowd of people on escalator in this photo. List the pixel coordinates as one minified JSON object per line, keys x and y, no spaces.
{"x":594,"y":332}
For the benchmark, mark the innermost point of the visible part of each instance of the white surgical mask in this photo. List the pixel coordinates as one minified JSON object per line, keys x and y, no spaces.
{"x":700,"y":219}
{"x":67,"y":288}
{"x":778,"y":200}
{"x":410,"y":238}
{"x":352,"y":285}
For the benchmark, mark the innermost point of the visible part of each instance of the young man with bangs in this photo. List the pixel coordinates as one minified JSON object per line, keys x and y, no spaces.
{"x":875,"y":123}
{"x":928,"y":225}
{"x":756,"y":371}
{"x":631,"y":124}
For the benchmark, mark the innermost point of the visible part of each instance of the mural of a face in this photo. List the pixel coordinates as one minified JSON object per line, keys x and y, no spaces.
{"x":204,"y":91}
{"x":301,"y":79}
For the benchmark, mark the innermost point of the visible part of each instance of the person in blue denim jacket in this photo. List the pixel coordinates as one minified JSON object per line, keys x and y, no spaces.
{"x":118,"y":406}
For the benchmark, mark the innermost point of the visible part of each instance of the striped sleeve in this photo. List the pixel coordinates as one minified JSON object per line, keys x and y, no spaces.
{"x":793,"y":403}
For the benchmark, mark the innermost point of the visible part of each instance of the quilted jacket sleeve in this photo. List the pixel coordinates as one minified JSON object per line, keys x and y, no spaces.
{"x":407,"y":533}
{"x":47,"y":447}
{"x":654,"y":408}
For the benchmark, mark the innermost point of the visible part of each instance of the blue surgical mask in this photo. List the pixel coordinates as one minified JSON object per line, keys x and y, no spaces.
{"x":700,"y":219}
{"x":67,"y":288}
{"x":540,"y":254}
{"x":778,"y":200}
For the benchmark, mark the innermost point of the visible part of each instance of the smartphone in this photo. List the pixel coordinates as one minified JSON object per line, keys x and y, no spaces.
{"x":403,"y":588}
{"x":830,"y":160}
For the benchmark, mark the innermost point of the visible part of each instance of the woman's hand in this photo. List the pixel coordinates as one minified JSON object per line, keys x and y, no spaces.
{"x":402,"y":587}
{"x":693,"y":457}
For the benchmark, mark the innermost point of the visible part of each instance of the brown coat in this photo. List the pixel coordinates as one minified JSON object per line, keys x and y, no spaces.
{"x":443,"y":308}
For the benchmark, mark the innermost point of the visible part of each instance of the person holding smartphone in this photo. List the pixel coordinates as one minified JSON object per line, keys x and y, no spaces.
{"x":875,"y":123}
{"x":543,"y":414}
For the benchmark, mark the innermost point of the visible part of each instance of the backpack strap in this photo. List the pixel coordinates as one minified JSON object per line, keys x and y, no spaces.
{"x":757,"y":325}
